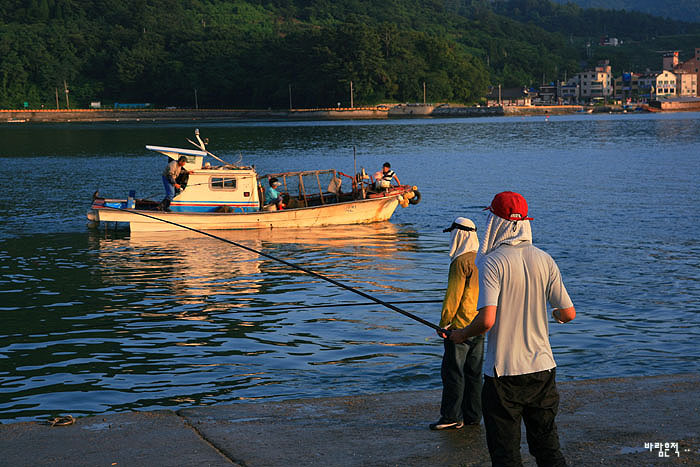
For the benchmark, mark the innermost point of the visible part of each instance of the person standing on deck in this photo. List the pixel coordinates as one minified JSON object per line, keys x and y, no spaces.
{"x":516,"y":281}
{"x":461,"y":362}
{"x":170,"y":175}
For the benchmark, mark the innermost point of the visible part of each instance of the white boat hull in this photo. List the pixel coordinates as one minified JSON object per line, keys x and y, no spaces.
{"x":351,"y":212}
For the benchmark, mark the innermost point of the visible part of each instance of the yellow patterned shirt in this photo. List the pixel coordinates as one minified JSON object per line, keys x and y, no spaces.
{"x":459,"y":305}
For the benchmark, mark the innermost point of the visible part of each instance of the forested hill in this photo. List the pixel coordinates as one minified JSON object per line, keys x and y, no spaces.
{"x":250,"y":54}
{"x":685,"y":10}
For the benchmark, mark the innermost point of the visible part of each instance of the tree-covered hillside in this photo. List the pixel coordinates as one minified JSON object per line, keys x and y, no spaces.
{"x":684,"y":10}
{"x":250,"y":54}
{"x":643,"y":37}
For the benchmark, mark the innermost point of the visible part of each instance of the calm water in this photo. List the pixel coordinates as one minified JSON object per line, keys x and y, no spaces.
{"x":96,"y":322}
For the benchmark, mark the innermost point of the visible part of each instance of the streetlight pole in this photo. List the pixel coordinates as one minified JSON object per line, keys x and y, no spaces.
{"x":352,"y":102}
{"x":196,"y":102}
{"x":65,"y":86}
{"x":290,"y":96}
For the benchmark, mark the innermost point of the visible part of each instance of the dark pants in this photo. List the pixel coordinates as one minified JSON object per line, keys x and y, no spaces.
{"x":533,"y":397}
{"x":461,"y":381}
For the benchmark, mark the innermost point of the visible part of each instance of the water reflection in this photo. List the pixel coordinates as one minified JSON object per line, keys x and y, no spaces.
{"x":147,"y":321}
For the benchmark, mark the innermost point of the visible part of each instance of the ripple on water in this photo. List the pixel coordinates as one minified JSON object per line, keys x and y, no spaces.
{"x":99,"y":322}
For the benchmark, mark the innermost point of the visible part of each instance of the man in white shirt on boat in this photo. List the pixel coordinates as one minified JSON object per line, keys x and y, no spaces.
{"x":382,"y":180}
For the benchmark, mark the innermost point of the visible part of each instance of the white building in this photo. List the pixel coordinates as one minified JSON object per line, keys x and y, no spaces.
{"x":665,"y":85}
{"x":591,"y":85}
{"x":686,"y":84}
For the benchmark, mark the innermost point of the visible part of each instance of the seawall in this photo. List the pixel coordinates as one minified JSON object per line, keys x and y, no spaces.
{"x":647,"y":420}
{"x":339,"y":113}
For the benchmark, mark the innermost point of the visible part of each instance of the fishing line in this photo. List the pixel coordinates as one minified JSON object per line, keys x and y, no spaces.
{"x":292,"y":265}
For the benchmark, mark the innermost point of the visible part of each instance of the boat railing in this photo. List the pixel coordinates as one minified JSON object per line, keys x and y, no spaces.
{"x":302,"y":182}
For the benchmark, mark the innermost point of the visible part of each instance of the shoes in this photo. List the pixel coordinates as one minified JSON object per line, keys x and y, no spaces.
{"x":443,"y":425}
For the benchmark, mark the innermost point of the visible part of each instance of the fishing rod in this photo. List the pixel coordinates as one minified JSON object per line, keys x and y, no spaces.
{"x":294,"y":266}
{"x":336,"y":305}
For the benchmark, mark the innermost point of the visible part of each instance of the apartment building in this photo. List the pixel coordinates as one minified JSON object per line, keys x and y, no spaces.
{"x":657,"y":85}
{"x":568,"y":92}
{"x":665,"y":84}
{"x":686,"y":84}
{"x":690,"y":66}
{"x":626,"y":88}
{"x":590,"y":85}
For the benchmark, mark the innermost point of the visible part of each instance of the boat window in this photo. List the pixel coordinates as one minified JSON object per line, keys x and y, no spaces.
{"x":222,"y":183}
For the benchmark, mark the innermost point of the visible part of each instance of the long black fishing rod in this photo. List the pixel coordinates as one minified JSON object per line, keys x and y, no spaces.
{"x":336,"y":305}
{"x":291,"y":265}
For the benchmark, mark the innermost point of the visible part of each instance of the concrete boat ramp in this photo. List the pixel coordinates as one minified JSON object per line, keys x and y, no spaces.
{"x":616,"y":421}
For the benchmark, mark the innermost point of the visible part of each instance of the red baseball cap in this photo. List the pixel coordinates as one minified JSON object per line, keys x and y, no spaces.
{"x":510,"y":206}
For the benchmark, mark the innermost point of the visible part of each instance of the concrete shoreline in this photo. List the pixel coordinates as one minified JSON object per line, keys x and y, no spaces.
{"x":221,"y":115}
{"x":601,"y":422}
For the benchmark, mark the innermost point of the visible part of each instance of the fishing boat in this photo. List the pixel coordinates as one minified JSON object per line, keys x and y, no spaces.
{"x":225,"y":196}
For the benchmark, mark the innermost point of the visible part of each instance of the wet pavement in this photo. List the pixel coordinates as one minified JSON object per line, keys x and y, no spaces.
{"x":601,"y":422}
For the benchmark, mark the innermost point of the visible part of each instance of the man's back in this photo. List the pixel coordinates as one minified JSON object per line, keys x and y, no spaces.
{"x":520,"y":280}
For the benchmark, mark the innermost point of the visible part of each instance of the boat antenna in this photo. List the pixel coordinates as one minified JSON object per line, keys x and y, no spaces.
{"x":201,"y":143}
{"x":354,"y":160}
{"x":203,"y":147}
{"x":294,"y":266}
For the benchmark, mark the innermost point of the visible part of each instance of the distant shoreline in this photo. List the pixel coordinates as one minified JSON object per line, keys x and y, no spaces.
{"x":359,"y":113}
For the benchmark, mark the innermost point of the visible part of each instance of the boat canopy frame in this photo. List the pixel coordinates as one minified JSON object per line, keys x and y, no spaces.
{"x":309,"y":198}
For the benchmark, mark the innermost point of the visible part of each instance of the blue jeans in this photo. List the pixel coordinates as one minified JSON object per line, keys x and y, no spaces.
{"x":461,"y":380}
{"x":169,"y":188}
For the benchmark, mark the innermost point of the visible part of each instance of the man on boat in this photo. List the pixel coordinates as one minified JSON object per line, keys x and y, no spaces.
{"x":516,"y":281}
{"x":170,"y":180}
{"x":273,"y":199}
{"x":461,"y":362}
{"x":383,"y":179}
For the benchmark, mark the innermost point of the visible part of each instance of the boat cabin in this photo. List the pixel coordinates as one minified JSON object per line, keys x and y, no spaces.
{"x":210,"y":188}
{"x":239,"y":189}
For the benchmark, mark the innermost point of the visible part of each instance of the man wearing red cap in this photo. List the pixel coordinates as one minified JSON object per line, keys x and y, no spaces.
{"x":516,"y":281}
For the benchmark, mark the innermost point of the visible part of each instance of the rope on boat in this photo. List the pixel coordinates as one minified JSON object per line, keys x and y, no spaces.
{"x":291,"y":265}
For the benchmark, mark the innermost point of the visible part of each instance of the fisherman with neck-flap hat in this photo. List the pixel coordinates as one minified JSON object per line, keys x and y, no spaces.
{"x":516,"y":283}
{"x":461,"y":362}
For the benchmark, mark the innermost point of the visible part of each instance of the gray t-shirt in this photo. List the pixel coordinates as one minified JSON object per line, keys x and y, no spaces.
{"x":172,"y":170}
{"x":520,"y":280}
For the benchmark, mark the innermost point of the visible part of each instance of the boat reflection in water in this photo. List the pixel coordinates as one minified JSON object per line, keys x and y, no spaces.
{"x":165,"y":320}
{"x":197,"y":276}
